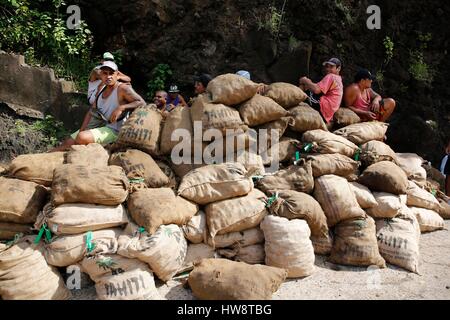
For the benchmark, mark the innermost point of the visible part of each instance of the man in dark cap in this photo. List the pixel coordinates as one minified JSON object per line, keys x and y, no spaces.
{"x":365,"y":102}
{"x":201,"y":82}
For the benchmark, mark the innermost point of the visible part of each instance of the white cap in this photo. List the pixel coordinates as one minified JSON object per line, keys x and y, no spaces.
{"x":244,"y":74}
{"x":109,"y":64}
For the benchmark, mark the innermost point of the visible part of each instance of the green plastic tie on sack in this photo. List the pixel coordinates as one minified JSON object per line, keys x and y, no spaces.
{"x":141,"y":230}
{"x":358,"y":155}
{"x":13,"y":241}
{"x":271,"y":200}
{"x":308,"y":147}
{"x":257,"y":178}
{"x":90,"y":246}
{"x":48,"y":234}
{"x":434,"y":192}
{"x":137,"y":180}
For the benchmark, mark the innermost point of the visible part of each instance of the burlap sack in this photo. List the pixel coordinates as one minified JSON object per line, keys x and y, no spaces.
{"x":306,"y":119}
{"x":135,"y":161}
{"x":215,"y":116}
{"x":385,"y":176}
{"x":297,"y":177}
{"x":215,"y":182}
{"x":288,"y":246}
{"x":169,"y":173}
{"x":376,"y":151}
{"x":82,"y":184}
{"x":244,"y":238}
{"x":418,"y":197}
{"x":398,"y":242}
{"x":25,"y":275}
{"x":195,"y":229}
{"x":429,"y":220}
{"x":78,"y":218}
{"x":322,"y":245}
{"x":196,"y":253}
{"x":142,"y":130}
{"x":336,"y":164}
{"x":345,"y":117}
{"x":93,"y":155}
{"x":179,"y":118}
{"x":20,"y":201}
{"x":183,"y":169}
{"x":260,"y":110}
{"x":151,"y":208}
{"x":388,"y":205}
{"x":119,"y":278}
{"x":236,"y":214}
{"x":297,"y":205}
{"x":252,"y":254}
{"x":37,"y":168}
{"x":164,"y":251}
{"x":279,"y":126}
{"x":9,"y":230}
{"x":287,"y":147}
{"x":361,"y":133}
{"x":231,"y":89}
{"x":252,"y":162}
{"x":285,"y":94}
{"x":329,"y":143}
{"x":68,"y":250}
{"x":363,"y":195}
{"x":411,"y":163}
{"x":337,"y":199}
{"x":221,"y":279}
{"x":355,"y":244}
{"x":237,"y":141}
{"x":444,"y":209}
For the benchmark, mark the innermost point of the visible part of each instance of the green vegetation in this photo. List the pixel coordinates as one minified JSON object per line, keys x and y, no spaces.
{"x":52,"y":130}
{"x":270,"y":21}
{"x":340,"y":5}
{"x":38,"y":30}
{"x":389,"y":47}
{"x":418,"y":67}
{"x":294,"y":43}
{"x":160,"y":76}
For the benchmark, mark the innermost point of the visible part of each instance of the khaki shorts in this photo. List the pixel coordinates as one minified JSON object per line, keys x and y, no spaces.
{"x":103,"y":135}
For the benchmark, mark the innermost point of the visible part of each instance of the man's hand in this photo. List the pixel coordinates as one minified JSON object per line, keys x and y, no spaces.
{"x":304,"y":81}
{"x":116,"y":114}
{"x":171,"y":107}
{"x":375,"y":106}
{"x":370,"y":115}
{"x":262,"y":88}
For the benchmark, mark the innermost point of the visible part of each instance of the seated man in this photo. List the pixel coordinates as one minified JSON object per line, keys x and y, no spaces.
{"x":174,"y":98}
{"x":201,"y":82}
{"x":326,"y":96}
{"x":160,"y":100}
{"x":113,"y":105}
{"x":95,"y":83}
{"x":365,"y":102}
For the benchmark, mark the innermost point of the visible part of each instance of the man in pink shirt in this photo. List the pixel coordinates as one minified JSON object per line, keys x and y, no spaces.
{"x":326,"y":96}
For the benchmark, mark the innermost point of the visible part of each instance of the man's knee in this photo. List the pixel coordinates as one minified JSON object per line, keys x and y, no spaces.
{"x":390,"y":103}
{"x":84,"y":137}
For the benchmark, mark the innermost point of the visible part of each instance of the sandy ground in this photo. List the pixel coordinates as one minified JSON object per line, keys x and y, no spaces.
{"x":333,"y":282}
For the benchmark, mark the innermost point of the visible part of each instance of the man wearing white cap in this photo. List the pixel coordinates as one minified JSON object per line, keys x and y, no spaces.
{"x":113,"y":105}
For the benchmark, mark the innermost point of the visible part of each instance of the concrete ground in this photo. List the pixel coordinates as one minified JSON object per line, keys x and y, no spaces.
{"x":333,"y":282}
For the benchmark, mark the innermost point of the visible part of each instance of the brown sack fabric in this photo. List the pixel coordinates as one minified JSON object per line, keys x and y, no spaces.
{"x":297,"y":205}
{"x":215,"y":116}
{"x":297,"y":177}
{"x":288,"y":246}
{"x":244,"y":238}
{"x":142,"y":164}
{"x":221,"y":279}
{"x":93,"y":155}
{"x":231,"y":89}
{"x":306,"y":119}
{"x":142,"y":130}
{"x":418,"y":197}
{"x":195,"y":229}
{"x":252,"y":254}
{"x":345,"y":117}
{"x":287,"y":147}
{"x":328,"y":143}
{"x":260,"y":110}
{"x":9,"y":230}
{"x":25,"y":275}
{"x":151,"y":208}
{"x":179,"y":118}
{"x":73,"y":183}
{"x":361,"y":133}
{"x":285,"y":94}
{"x":236,"y":214}
{"x":278,"y":125}
{"x":411,"y":163}
{"x":429,"y":220}
{"x":215,"y":182}
{"x":37,"y":168}
{"x":363,"y":195}
{"x":337,"y":164}
{"x":385,"y":176}
{"x":388,"y":205}
{"x":337,"y":199}
{"x":356,"y":244}
{"x":376,"y":151}
{"x":20,"y":201}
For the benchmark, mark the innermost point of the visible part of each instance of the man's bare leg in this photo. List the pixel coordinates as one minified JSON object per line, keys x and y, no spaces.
{"x":85,"y":138}
{"x":389,"y":106}
{"x":64,"y":146}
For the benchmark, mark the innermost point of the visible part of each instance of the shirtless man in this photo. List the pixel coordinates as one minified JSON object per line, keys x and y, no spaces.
{"x":113,"y":105}
{"x":365,"y":102}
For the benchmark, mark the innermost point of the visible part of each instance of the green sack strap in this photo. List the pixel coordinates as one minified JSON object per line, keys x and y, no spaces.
{"x":90,"y":246}
{"x":257,"y":178}
{"x":141,"y":230}
{"x":271,"y":200}
{"x":358,"y":154}
{"x":48,"y":234}
{"x":434,"y":193}
{"x":13,"y":241}
{"x":308,"y":148}
{"x":136,"y":180}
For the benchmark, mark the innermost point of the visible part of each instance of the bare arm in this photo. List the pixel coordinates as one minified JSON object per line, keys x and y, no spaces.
{"x":132,"y":101}
{"x":124,"y":78}
{"x":350,"y":96}
{"x":86,"y":120}
{"x":94,"y":76}
{"x":309,"y":85}
{"x":182,"y":101}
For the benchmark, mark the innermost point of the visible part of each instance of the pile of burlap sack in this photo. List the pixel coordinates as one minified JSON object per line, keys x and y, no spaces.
{"x":128,"y":214}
